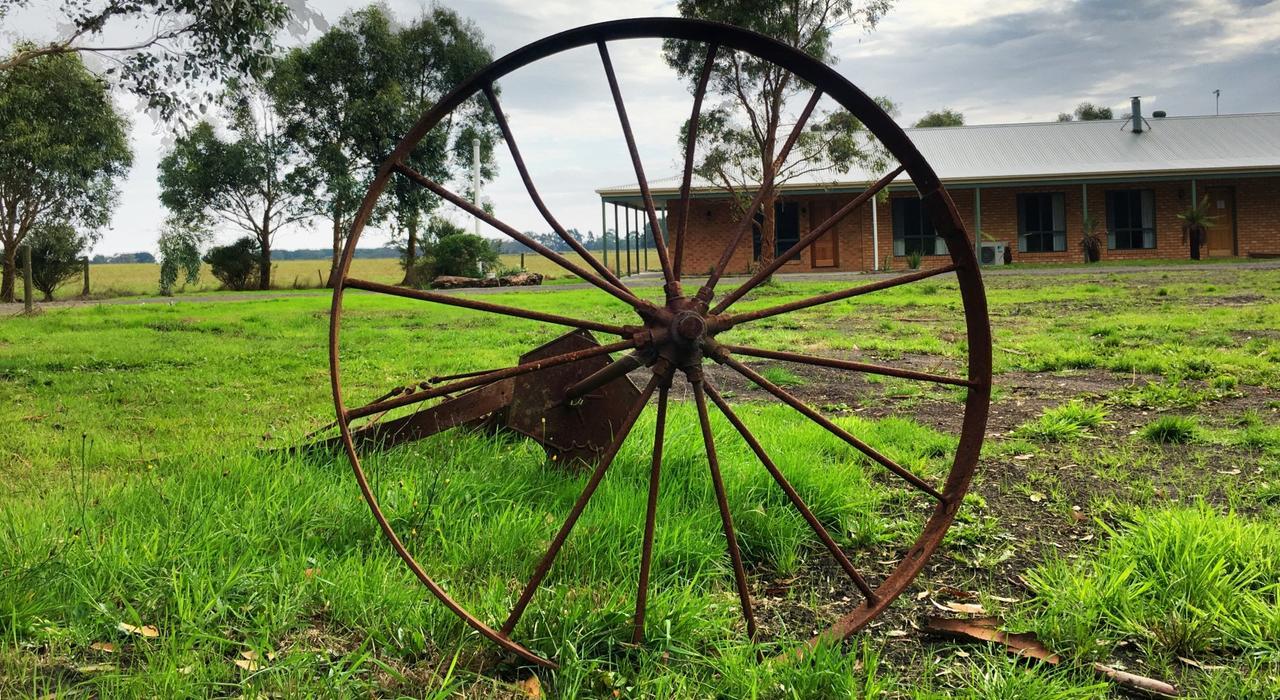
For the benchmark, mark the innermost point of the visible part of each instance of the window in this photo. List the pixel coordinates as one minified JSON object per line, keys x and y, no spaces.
{"x":1042,"y":226}
{"x":912,"y":230}
{"x":786,"y":229}
{"x":1131,"y":219}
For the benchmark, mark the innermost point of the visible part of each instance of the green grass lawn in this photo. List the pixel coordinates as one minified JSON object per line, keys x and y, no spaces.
{"x":142,"y":486}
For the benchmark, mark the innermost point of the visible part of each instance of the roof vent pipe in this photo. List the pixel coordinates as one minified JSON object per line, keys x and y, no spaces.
{"x":1135,"y":105}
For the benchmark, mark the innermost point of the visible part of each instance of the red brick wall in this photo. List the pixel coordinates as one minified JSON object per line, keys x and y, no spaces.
{"x":1257,"y":217}
{"x":712,"y":225}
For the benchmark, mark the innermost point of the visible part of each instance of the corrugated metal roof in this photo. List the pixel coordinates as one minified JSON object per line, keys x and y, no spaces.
{"x":1058,"y":150}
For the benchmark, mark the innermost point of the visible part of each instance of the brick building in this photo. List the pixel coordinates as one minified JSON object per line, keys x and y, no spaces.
{"x":1028,"y":187}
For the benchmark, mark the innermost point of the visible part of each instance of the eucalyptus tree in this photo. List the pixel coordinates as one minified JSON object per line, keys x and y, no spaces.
{"x":942,"y":117}
{"x":741,"y":139}
{"x":1087,"y":112}
{"x":438,"y":50}
{"x":171,"y":51}
{"x":351,"y":95}
{"x":248,"y":179}
{"x":63,"y":145}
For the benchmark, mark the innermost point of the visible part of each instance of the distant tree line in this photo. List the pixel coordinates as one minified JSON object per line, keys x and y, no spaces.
{"x":123,"y":258}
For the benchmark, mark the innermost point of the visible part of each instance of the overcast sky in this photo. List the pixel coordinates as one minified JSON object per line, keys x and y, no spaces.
{"x":1010,"y":61}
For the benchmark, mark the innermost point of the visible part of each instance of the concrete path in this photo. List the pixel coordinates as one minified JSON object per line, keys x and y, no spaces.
{"x":654,"y":279}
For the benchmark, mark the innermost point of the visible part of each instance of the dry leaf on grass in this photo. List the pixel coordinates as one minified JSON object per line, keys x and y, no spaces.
{"x":96,"y":668}
{"x":531,"y":687}
{"x":1197,"y":664}
{"x":250,"y":660}
{"x":148,"y":631}
{"x":963,"y":608}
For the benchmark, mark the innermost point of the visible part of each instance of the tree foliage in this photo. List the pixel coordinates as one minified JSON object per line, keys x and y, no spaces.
{"x":249,"y":180}
{"x":447,"y":249}
{"x":176,"y":49}
{"x":1085,"y":112}
{"x":464,"y":254}
{"x":62,"y":148}
{"x":57,"y":255}
{"x":350,"y":96}
{"x":943,"y":117}
{"x":740,"y":136}
{"x":180,"y":243}
{"x":235,"y":265}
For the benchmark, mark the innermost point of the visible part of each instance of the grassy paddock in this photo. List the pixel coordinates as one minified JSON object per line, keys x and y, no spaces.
{"x":140,"y":487}
{"x":141,"y":279}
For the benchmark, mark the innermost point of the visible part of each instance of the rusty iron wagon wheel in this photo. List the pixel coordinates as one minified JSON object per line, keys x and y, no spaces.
{"x":669,"y":338}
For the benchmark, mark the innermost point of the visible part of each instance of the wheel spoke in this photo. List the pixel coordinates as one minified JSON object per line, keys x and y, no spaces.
{"x":764,"y":273}
{"x":491,"y":377}
{"x":728,"y":321}
{"x":845,"y":364}
{"x":719,"y":355}
{"x":622,"y":367}
{"x":453,"y":198}
{"x":836,"y":553}
{"x":673,"y":285}
{"x":503,"y":310}
{"x":537,"y":199}
{"x":544,"y":565}
{"x":691,"y":137}
{"x":708,"y":288}
{"x":650,"y":512}
{"x":726,"y":519}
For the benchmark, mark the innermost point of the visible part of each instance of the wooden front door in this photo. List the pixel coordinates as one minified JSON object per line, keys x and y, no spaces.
{"x":1222,"y":235}
{"x":823,"y":249}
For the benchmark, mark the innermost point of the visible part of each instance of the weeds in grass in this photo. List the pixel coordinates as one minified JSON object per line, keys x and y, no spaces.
{"x":1171,"y":430}
{"x":1070,"y":421}
{"x":1000,"y":677}
{"x":783,"y":377}
{"x":1162,"y":396}
{"x":1182,"y":581}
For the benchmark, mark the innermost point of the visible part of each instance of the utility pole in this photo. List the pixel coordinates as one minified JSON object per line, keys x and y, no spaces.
{"x":475,"y":178}
{"x":1217,"y":97}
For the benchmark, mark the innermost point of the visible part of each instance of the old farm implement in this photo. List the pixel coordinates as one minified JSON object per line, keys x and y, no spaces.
{"x":579,"y":401}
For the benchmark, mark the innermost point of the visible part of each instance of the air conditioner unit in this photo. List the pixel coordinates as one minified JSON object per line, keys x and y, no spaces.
{"x":992,"y":253}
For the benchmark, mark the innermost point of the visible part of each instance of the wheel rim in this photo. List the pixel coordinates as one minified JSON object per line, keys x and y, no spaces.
{"x":681,"y":334}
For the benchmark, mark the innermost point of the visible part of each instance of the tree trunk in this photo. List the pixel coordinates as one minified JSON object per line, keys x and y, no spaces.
{"x":85,"y":291}
{"x":768,"y":229}
{"x":337,"y":251}
{"x":411,"y":258}
{"x":9,"y":275}
{"x":264,"y":268}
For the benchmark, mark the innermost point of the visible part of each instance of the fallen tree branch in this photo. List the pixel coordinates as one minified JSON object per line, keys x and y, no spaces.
{"x":987,"y":629}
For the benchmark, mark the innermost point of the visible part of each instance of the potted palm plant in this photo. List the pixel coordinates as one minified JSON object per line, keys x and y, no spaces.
{"x":1195,"y":225}
{"x":1091,"y":241}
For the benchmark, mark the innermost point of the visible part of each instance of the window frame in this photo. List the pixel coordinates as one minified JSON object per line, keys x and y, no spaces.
{"x":924,"y":234}
{"x":1146,"y":210}
{"x":1051,"y":206}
